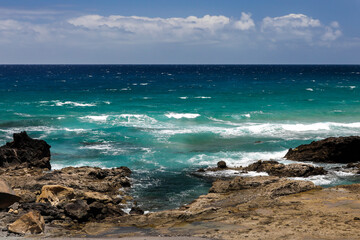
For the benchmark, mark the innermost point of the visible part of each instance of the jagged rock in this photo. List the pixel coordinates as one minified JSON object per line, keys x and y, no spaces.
{"x":55,"y":194}
{"x":31,"y":222}
{"x":221,"y":164}
{"x":46,"y":210}
{"x":329,"y":150}
{"x":274,"y":168}
{"x":136,"y":211}
{"x":78,"y":209}
{"x":7,"y":195}
{"x":26,"y":152}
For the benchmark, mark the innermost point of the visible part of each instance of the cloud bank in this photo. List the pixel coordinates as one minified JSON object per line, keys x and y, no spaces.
{"x":134,"y":29}
{"x":127,"y":34}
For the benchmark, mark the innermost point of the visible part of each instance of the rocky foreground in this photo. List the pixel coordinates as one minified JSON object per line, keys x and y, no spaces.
{"x":88,"y":201}
{"x":33,"y":197}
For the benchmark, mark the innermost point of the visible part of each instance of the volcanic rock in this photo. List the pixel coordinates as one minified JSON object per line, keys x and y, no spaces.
{"x":7,"y":195}
{"x":26,"y":152}
{"x":221,"y":164}
{"x":31,"y":222}
{"x":77,"y":209}
{"x":274,"y":168}
{"x":329,"y":150}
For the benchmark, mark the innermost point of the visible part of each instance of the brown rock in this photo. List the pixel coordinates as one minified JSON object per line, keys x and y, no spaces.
{"x":55,"y":194}
{"x":329,"y":150}
{"x":31,"y":222}
{"x":96,"y":196}
{"x":7,"y":195}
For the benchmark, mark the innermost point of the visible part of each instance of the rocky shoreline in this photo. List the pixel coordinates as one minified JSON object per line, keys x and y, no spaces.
{"x":89,"y":201}
{"x":60,"y":199}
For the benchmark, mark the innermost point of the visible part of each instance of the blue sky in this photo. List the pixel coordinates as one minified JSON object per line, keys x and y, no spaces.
{"x":180,"y":32}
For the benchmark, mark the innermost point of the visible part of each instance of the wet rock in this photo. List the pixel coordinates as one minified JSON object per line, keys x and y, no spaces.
{"x":274,"y":168}
{"x":221,"y":164}
{"x":136,"y":211}
{"x":77,"y":209}
{"x":26,"y":152}
{"x":31,"y":222}
{"x":55,"y":194}
{"x":7,"y":195}
{"x":329,"y":150}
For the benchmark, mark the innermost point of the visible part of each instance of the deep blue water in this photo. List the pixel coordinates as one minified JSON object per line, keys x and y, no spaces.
{"x":165,"y":121}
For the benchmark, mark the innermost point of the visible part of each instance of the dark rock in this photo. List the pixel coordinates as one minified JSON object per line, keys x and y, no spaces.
{"x":26,"y":152}
{"x":274,"y":168}
{"x":329,"y":150}
{"x":49,"y":212}
{"x":97,"y":210}
{"x":201,"y":170}
{"x":136,"y":211}
{"x":221,"y":164}
{"x":7,"y":195}
{"x":77,"y":209}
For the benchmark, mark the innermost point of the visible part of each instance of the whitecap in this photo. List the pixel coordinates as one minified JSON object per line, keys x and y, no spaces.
{"x":309,"y":89}
{"x":235,"y":159}
{"x":231,"y":173}
{"x":134,"y":120}
{"x":23,"y":114}
{"x":101,"y":118}
{"x":203,"y":97}
{"x":75,"y":104}
{"x":183,"y":97}
{"x":182,"y":115}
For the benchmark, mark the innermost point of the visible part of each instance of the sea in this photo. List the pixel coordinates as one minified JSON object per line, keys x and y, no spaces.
{"x":166,"y":121}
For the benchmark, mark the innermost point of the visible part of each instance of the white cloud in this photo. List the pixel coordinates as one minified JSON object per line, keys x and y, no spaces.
{"x":290,"y":21}
{"x":245,"y":23}
{"x":165,"y":29}
{"x":299,"y":27}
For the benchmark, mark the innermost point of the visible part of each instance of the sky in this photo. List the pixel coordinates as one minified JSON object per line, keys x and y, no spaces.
{"x":179,"y":32}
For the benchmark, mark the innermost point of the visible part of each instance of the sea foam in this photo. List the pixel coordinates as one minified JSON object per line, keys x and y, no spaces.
{"x":182,"y":115}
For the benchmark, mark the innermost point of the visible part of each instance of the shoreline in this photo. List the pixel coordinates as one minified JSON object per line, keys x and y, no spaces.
{"x":86,"y":201}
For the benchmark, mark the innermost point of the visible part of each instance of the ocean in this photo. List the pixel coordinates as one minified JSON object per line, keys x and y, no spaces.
{"x":166,"y":121}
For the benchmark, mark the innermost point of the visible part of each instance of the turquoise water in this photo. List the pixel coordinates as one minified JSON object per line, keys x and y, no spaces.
{"x":164,"y":122}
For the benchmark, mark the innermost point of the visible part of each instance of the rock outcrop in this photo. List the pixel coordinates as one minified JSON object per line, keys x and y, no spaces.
{"x":25,"y":152}
{"x":329,"y":150}
{"x":274,"y":168}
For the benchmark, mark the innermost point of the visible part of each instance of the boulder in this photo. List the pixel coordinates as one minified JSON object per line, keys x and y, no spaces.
{"x":31,"y":222}
{"x":26,"y":152}
{"x":55,"y":194}
{"x":136,"y":211}
{"x":7,"y":195}
{"x":274,"y":168}
{"x":329,"y":150}
{"x":77,"y":210}
{"x":221,"y":164}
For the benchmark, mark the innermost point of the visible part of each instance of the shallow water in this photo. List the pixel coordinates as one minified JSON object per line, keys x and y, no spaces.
{"x":165,"y":121}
